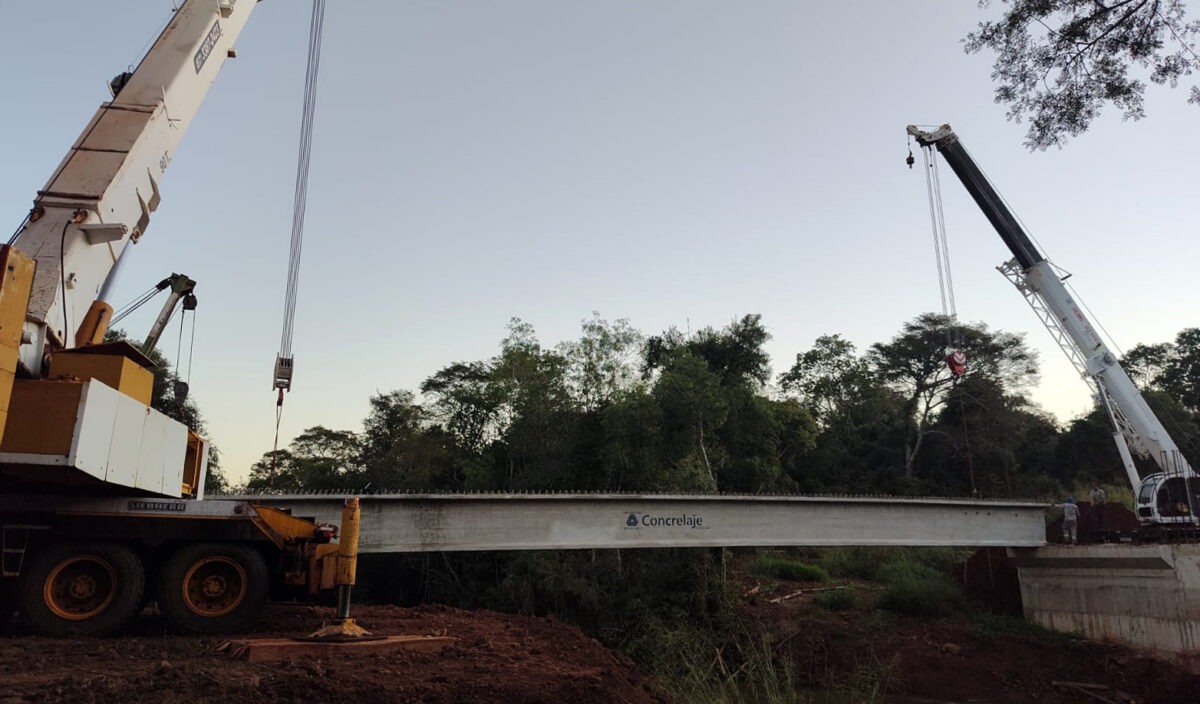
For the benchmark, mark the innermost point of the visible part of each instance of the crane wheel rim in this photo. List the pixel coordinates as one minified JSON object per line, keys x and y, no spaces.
{"x":80,"y":587}
{"x":214,"y":586}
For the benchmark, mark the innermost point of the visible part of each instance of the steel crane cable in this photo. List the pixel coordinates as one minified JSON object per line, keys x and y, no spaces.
{"x":308,"y":110}
{"x":127,"y":309}
{"x":937,"y":221}
{"x":302,"y":168}
{"x":941,"y":249}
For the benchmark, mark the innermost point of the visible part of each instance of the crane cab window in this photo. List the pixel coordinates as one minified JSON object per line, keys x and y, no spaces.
{"x":1178,"y":498}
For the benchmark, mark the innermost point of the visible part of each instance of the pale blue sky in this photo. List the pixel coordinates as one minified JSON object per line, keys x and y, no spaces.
{"x":671,"y":162}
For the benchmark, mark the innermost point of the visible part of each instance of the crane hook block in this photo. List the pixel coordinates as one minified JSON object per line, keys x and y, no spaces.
{"x":910,"y":160}
{"x":957,"y":361}
{"x":283,"y":373}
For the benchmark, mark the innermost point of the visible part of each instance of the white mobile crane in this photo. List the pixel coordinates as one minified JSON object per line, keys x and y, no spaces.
{"x":100,"y":494}
{"x":1167,"y":499}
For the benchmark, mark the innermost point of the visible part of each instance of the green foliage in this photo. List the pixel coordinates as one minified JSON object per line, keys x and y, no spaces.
{"x":926,"y":598}
{"x":986,"y":625}
{"x":1059,"y":63}
{"x":772,"y":567}
{"x":735,"y":354}
{"x":600,"y":364}
{"x":693,"y":675}
{"x":829,"y":377}
{"x":836,"y":599}
{"x":903,"y":570}
{"x":913,"y":364}
{"x":319,"y":459}
{"x":852,"y":562}
{"x":885,"y":564}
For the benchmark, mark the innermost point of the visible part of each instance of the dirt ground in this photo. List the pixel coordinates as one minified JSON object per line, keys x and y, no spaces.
{"x":863,"y":651}
{"x":498,"y":658}
{"x":860,"y":655}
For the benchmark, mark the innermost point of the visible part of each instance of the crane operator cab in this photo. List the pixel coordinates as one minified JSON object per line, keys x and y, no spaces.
{"x":1170,"y":500}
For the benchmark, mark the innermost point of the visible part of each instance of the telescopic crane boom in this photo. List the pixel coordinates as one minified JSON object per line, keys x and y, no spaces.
{"x":1136,"y":427}
{"x":99,"y":199}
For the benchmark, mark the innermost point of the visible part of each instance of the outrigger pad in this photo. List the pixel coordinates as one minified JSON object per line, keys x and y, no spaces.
{"x":270,"y":649}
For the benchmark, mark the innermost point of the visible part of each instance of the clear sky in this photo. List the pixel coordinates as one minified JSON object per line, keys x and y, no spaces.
{"x":673,"y":162}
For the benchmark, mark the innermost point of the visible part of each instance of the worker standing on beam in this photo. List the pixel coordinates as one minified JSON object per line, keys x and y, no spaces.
{"x":1070,"y":524}
{"x":1098,"y":498}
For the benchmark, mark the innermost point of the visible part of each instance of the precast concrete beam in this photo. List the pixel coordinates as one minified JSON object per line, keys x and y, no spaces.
{"x":437,"y":522}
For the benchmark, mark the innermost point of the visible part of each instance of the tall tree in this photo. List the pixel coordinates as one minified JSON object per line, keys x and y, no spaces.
{"x":468,"y":402}
{"x":1173,"y":368}
{"x":399,"y":451}
{"x":318,"y":459}
{"x":694,"y":406}
{"x":914,"y":364}
{"x":989,"y":442}
{"x":1059,"y":62}
{"x":601,"y":362}
{"x":1181,"y":378}
{"x":829,"y":377}
{"x":734,"y":353}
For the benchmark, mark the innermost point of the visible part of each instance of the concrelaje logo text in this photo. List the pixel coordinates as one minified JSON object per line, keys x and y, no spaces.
{"x":693,"y":521}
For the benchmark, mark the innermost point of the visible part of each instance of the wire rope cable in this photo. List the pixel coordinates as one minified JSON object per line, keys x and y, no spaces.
{"x":302,"y":169}
{"x":129,"y":308}
{"x":945,"y":242}
{"x":283,"y":361}
{"x":933,"y":222}
{"x":17,"y":232}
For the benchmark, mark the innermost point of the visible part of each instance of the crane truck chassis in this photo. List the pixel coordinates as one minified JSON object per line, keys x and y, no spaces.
{"x":101,"y":496}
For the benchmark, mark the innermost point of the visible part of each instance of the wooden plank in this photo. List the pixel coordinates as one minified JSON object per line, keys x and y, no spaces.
{"x":268,"y":649}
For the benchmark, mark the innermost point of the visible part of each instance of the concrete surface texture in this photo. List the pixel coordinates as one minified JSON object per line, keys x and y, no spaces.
{"x":1145,"y":596}
{"x":423,"y":523}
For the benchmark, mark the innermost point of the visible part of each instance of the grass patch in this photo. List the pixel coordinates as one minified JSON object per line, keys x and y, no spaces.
{"x":879,"y":564}
{"x":907,"y":571}
{"x":769,"y":567}
{"x":746,"y":669}
{"x":986,"y":625}
{"x":923,"y":598}
{"x":836,"y":599}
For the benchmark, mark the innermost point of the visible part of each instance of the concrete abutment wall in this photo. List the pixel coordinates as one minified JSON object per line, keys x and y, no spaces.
{"x":1143,"y":596}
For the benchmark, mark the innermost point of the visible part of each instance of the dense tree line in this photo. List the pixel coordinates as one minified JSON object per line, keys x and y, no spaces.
{"x":619,"y":411}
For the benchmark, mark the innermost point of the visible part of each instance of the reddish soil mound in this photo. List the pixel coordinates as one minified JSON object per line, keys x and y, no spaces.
{"x":990,"y":577}
{"x":863,"y":654}
{"x":498,"y":658}
{"x":1092,"y":522}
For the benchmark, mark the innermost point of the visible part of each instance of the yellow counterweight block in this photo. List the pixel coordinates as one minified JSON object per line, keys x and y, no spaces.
{"x":16,"y":281}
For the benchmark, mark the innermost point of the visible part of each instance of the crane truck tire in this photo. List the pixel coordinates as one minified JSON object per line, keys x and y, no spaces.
{"x":213,"y":588}
{"x":83,"y":589}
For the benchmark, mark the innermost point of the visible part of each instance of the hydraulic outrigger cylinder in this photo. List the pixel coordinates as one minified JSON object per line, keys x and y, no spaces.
{"x":344,"y":627}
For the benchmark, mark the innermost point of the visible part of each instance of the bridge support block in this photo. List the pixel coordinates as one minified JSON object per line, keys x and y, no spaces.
{"x":1143,"y":596}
